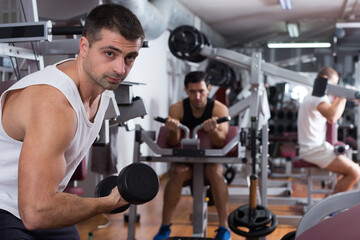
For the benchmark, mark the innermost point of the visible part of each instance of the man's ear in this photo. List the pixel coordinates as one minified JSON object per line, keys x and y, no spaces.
{"x":83,"y":46}
{"x":208,"y":87}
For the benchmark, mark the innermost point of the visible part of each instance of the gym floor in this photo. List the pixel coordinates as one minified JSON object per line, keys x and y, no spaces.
{"x":150,"y":221}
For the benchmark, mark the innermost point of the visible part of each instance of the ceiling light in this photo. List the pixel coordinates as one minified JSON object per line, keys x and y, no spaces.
{"x":306,"y":58}
{"x":285,"y":4}
{"x":293,"y":29}
{"x":300,"y":45}
{"x":348,"y":25}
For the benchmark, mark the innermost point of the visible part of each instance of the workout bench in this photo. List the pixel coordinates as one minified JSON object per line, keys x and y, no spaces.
{"x":289,"y":151}
{"x":331,"y":137}
{"x":205,"y":153}
{"x":311,"y":179}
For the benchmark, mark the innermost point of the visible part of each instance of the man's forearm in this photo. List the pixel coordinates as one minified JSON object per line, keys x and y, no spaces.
{"x":173,"y":138}
{"x":339,"y":107}
{"x":64,"y":209}
{"x":217,"y":137}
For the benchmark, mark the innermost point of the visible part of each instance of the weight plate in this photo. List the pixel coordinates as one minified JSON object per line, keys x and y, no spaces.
{"x":104,"y":188}
{"x":186,"y":42}
{"x":261,"y":224}
{"x":138,"y":183}
{"x":221,"y":74}
{"x":261,"y":216}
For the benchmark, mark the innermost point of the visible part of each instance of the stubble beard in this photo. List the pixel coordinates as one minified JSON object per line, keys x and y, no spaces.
{"x":103,"y":80}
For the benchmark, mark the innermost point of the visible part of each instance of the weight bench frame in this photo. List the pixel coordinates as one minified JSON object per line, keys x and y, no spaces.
{"x":197,"y":157}
{"x":299,"y":163}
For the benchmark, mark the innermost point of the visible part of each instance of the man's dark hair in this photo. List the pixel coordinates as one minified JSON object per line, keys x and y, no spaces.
{"x":113,"y":17}
{"x":196,"y":77}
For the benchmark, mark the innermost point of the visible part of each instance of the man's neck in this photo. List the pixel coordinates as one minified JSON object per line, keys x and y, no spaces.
{"x":198,"y":112}
{"x":89,"y":95}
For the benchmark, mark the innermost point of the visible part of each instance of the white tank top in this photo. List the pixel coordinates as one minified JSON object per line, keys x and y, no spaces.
{"x":85,"y":135}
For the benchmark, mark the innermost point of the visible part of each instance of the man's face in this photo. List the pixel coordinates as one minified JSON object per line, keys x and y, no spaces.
{"x":334,"y":79}
{"x":197,"y":93}
{"x":109,"y":60}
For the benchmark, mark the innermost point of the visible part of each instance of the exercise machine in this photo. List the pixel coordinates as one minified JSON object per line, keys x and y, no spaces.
{"x":186,"y":42}
{"x":195,"y":150}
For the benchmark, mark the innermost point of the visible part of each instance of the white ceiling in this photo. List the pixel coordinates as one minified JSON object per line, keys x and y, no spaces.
{"x":256,"y":22}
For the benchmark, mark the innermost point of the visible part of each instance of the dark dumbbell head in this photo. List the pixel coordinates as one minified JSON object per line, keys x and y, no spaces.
{"x":138,"y":183}
{"x":104,"y":188}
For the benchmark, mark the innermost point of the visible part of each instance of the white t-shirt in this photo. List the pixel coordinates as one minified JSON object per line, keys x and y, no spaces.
{"x":311,"y":123}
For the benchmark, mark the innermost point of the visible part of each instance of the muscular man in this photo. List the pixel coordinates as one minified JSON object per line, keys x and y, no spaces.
{"x":49,"y":121}
{"x":313,"y":114}
{"x":192,"y":111}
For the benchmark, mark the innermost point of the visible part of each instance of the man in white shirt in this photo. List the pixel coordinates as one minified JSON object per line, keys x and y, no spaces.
{"x":313,"y":114}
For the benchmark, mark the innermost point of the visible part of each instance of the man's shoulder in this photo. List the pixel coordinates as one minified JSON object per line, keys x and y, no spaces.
{"x":313,"y":100}
{"x":176,"y":110}
{"x":177,"y":105}
{"x":220,"y":109}
{"x":219,"y":104}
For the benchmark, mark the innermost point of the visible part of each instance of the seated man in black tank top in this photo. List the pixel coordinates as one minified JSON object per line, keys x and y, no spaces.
{"x":192,"y":111}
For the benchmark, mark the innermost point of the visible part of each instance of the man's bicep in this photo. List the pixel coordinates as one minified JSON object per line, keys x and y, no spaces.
{"x":176,"y":111}
{"x":323,"y":108}
{"x":220,"y":111}
{"x":42,"y":162}
{"x":40,"y":167}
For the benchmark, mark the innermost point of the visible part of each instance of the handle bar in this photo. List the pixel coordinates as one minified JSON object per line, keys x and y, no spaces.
{"x":196,"y":129}
{"x":181,"y":126}
{"x":218,"y":121}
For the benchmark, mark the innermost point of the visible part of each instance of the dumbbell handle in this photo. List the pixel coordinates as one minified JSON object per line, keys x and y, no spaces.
{"x":137,"y":184}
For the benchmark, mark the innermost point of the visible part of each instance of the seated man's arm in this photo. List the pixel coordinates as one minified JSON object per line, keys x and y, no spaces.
{"x":172,"y":124}
{"x":332,"y":111}
{"x":217,"y":132}
{"x":49,"y":124}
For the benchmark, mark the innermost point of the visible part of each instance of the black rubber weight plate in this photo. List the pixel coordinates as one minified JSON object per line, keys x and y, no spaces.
{"x":138,"y":183}
{"x":105,"y":186}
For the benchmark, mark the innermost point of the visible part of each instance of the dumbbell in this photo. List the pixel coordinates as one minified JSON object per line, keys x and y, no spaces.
{"x":137,"y":184}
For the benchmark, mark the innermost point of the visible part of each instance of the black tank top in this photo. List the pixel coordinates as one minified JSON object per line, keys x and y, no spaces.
{"x":189,"y":120}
